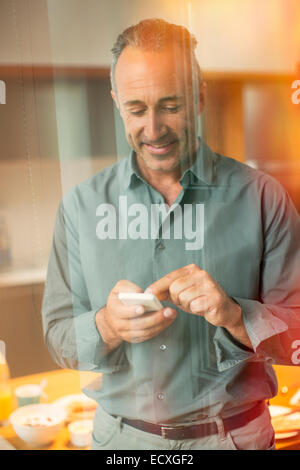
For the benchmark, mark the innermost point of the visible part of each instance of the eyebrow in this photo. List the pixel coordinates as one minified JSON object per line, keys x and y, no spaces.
{"x":162,"y":100}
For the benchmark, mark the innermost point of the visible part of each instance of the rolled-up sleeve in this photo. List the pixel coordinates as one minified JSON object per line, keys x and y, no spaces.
{"x":69,"y":325}
{"x":273,"y":320}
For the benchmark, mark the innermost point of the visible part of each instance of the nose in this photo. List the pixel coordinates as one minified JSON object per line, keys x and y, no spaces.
{"x":154,"y":128}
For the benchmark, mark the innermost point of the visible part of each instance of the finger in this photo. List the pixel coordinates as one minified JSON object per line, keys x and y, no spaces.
{"x":202,"y":305}
{"x":124,"y":310}
{"x":160,"y":288}
{"x":137,"y":336}
{"x":180,"y":288}
{"x":127,"y":311}
{"x":126,"y":286}
{"x":188,"y":296}
{"x":152,"y":320}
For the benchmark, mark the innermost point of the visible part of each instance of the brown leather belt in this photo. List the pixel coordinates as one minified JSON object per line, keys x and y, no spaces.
{"x":198,"y":430}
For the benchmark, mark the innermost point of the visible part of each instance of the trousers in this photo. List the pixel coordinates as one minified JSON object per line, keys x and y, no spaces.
{"x":110,"y":433}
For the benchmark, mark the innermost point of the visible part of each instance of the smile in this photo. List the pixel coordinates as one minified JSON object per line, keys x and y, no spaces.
{"x":160,"y":149}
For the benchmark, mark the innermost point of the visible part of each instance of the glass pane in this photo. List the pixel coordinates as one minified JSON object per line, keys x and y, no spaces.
{"x":137,"y":153}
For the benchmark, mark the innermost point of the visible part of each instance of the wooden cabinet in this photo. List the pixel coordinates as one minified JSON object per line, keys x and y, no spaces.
{"x":21,"y":330}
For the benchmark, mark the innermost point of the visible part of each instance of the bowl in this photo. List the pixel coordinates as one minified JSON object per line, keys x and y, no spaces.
{"x":81,"y":432}
{"x":37,"y":425}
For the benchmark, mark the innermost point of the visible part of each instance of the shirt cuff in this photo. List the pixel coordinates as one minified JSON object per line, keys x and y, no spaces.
{"x":260,"y":322}
{"x":229,"y":352}
{"x":91,"y":347}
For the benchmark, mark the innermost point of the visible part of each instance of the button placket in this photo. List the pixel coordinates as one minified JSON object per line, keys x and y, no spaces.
{"x":160,"y":245}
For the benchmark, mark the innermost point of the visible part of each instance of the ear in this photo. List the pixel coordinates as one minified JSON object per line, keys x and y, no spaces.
{"x":115,"y":99}
{"x":202,"y":96}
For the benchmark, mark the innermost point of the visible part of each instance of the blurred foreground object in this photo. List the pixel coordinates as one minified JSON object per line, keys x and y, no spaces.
{"x":5,"y":391}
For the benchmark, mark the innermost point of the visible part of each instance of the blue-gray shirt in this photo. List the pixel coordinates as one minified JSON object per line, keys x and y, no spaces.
{"x":240,"y":226}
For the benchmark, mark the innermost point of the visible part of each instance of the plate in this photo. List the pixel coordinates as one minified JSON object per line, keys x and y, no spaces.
{"x":285,"y":435}
{"x":278,"y":410}
{"x":295,"y":400}
{"x":286,"y":423}
{"x":77,"y":406}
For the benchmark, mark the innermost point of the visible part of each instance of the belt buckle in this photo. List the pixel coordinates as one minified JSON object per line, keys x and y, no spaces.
{"x":165,"y":428}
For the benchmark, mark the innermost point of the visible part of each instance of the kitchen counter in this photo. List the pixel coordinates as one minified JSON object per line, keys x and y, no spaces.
{"x":59,"y":383}
{"x":22,"y":276}
{"x":64,"y":382}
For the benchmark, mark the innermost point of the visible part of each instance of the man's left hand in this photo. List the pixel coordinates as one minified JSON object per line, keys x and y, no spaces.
{"x":193,"y":290}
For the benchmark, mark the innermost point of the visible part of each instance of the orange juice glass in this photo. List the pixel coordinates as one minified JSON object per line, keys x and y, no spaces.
{"x":5,"y":403}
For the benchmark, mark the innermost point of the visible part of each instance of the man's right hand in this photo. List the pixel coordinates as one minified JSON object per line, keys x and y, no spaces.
{"x":117,"y":322}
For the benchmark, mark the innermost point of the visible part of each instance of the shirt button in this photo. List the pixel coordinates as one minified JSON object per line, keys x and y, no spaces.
{"x":160,"y":396}
{"x":163,"y":347}
{"x":161,"y":246}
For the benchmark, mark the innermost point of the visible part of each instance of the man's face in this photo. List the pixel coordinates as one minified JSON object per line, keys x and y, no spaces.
{"x":156,"y":102}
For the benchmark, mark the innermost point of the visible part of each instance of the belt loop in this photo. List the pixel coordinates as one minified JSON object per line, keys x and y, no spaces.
{"x":221,"y":427}
{"x":119,"y":423}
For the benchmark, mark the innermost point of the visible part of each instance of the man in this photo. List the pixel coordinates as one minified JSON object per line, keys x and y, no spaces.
{"x":215,"y":240}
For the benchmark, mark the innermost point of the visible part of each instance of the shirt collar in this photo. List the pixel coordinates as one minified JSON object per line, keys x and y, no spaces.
{"x":132,"y":175}
{"x":201,"y":171}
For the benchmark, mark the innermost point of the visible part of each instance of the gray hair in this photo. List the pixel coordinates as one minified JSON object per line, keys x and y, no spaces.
{"x":155,"y":34}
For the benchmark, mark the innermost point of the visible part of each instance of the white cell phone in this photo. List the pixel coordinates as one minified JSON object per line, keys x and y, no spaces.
{"x":149,"y":301}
